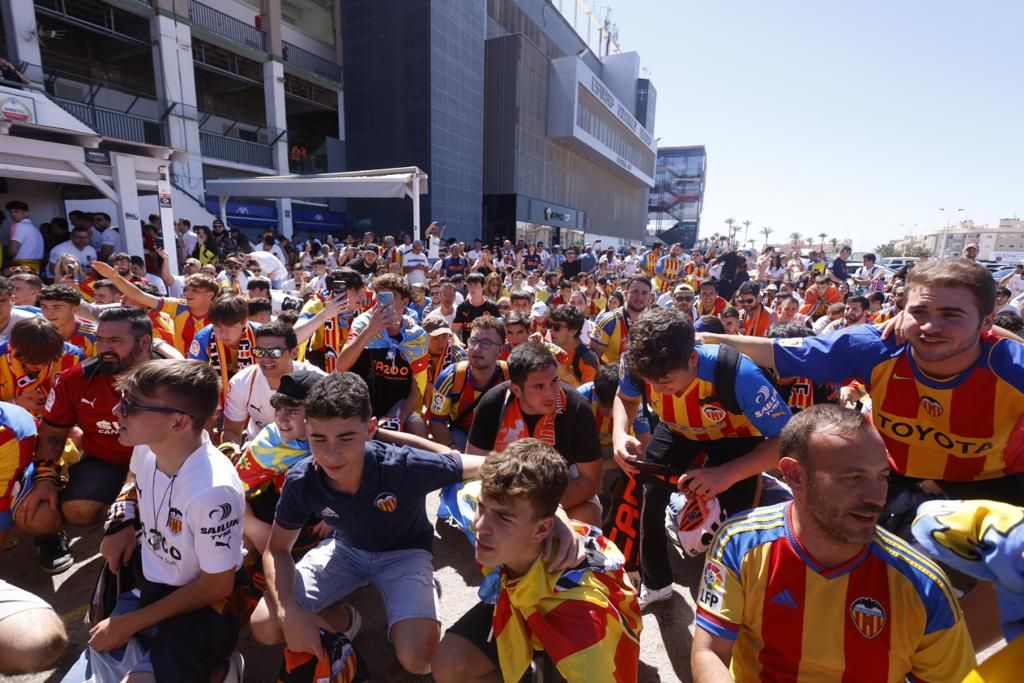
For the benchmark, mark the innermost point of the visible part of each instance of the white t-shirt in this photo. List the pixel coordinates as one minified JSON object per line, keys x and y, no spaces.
{"x":433,"y":247}
{"x":114,"y":238}
{"x":192,"y":521}
{"x":157,"y":282}
{"x":1015,"y":284}
{"x":17,"y":315}
{"x":629,"y":265}
{"x":249,"y":397}
{"x":189,"y":239}
{"x":25,"y":233}
{"x":415,"y":277}
{"x":270,"y":265}
{"x":85,"y":256}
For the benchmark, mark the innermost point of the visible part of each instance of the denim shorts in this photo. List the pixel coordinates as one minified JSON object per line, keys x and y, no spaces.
{"x":405,"y":579}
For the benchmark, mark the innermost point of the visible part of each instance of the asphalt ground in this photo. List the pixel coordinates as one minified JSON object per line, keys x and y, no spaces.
{"x":665,"y":641}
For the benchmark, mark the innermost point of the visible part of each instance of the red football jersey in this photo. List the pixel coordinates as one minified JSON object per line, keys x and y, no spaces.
{"x":85,"y":397}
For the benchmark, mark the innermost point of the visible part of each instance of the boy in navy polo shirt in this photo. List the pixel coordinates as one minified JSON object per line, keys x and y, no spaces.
{"x":373,"y":494}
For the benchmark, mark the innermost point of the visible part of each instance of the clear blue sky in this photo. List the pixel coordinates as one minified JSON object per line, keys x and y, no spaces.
{"x":849,"y":117}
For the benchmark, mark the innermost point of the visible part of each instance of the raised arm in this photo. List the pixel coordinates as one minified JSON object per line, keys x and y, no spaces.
{"x":133,"y":294}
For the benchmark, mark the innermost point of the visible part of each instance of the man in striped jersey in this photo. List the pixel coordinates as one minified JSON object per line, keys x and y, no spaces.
{"x":814,"y":589}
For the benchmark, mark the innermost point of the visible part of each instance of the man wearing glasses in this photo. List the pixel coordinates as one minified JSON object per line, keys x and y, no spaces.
{"x":460,"y":386}
{"x":186,"y":499}
{"x":757,"y":319}
{"x":248,"y":409}
{"x":83,"y":398}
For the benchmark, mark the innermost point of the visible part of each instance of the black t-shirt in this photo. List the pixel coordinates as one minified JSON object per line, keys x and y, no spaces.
{"x":388,"y":375}
{"x":466,"y":313}
{"x":576,"y":435}
{"x":362,"y":267}
{"x":571,"y":269}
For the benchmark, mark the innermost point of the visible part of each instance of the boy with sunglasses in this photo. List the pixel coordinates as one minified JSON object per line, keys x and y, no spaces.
{"x":248,"y":408}
{"x":186,"y":499}
{"x":566,"y":325}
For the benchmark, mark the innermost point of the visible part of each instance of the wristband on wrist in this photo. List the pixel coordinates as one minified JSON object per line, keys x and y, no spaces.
{"x":124,"y":511}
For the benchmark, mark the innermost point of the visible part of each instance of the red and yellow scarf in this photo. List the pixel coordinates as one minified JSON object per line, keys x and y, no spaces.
{"x":513,"y":423}
{"x":221,"y":356}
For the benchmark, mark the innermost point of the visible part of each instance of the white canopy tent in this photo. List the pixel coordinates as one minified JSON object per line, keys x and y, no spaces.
{"x":409,"y":181}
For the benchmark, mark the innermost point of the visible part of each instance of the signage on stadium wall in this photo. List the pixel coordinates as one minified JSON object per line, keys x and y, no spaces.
{"x":97,"y":156}
{"x":17,"y":108}
{"x":550,"y":213}
{"x":620,"y":110}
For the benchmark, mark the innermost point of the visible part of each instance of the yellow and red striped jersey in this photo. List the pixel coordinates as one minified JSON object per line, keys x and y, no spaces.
{"x":611,"y":330}
{"x":667,"y":272}
{"x":186,"y":325}
{"x":456,"y":394}
{"x":962,"y":428}
{"x":16,"y":381}
{"x":84,"y":337}
{"x":17,"y":445}
{"x":887,"y":614}
{"x":697,"y":414}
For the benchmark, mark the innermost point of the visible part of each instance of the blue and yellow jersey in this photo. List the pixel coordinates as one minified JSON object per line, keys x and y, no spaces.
{"x":455,"y":393}
{"x":17,"y":445}
{"x":611,"y":330}
{"x":604,"y":420}
{"x":960,"y":428}
{"x":886,"y":614}
{"x":667,"y":272}
{"x":185,"y":324}
{"x":697,"y":414}
{"x":268,"y":459}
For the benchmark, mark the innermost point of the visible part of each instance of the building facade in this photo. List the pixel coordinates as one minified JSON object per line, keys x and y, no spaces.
{"x":1004,"y":244}
{"x":524,"y":132}
{"x":677,"y":199}
{"x":245,"y":87}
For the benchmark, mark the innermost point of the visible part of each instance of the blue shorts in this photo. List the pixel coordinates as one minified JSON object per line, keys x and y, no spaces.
{"x":405,"y":579}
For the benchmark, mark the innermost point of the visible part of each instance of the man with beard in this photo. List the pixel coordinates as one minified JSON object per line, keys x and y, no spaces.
{"x":459,"y":387}
{"x":757,"y":318}
{"x":819,"y":570}
{"x":948,"y":401}
{"x":83,"y":398}
{"x":612,"y":329}
{"x":855,"y":313}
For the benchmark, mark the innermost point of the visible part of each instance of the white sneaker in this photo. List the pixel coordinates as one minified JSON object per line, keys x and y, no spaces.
{"x":236,"y":668}
{"x":355,"y":622}
{"x":649,"y":597}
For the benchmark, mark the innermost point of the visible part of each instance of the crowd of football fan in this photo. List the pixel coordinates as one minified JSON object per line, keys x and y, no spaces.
{"x":258,"y":434}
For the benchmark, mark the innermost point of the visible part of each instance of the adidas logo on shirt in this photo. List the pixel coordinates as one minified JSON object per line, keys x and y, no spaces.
{"x":784,"y":599}
{"x":328,"y":512}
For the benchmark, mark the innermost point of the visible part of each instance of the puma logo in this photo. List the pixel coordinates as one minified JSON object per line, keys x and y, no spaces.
{"x":90,"y":403}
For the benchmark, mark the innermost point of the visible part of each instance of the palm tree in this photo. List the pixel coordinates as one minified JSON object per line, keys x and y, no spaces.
{"x":834,"y":241}
{"x":729,"y":222}
{"x":766,"y":231}
{"x":822,"y":235}
{"x":795,"y":237}
{"x":746,"y":228}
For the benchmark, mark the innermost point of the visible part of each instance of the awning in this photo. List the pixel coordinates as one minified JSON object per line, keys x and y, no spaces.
{"x":384,"y":183}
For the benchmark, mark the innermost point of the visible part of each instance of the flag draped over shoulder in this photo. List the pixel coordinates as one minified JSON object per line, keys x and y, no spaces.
{"x":586,"y":619}
{"x":984,"y":539}
{"x":414,"y":345}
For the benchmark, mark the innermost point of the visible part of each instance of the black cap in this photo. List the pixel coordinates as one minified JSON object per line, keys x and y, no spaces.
{"x":297,"y":384}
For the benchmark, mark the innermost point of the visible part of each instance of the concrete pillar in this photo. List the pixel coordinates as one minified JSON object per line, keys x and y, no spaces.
{"x":270,"y":21}
{"x":20,"y":32}
{"x":277,"y":120}
{"x":175,"y":84}
{"x":126,"y":186}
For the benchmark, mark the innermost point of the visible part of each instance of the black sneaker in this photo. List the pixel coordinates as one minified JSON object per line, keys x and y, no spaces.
{"x":54,"y":553}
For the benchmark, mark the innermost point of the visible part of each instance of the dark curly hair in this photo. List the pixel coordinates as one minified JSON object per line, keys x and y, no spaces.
{"x":661,"y":341}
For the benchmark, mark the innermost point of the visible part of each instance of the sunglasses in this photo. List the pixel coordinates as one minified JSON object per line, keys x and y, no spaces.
{"x":684,"y":299}
{"x":747,"y":302}
{"x":126,"y":406}
{"x":260,"y":352}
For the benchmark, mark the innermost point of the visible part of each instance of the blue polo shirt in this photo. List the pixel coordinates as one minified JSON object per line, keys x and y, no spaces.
{"x":388,"y":512}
